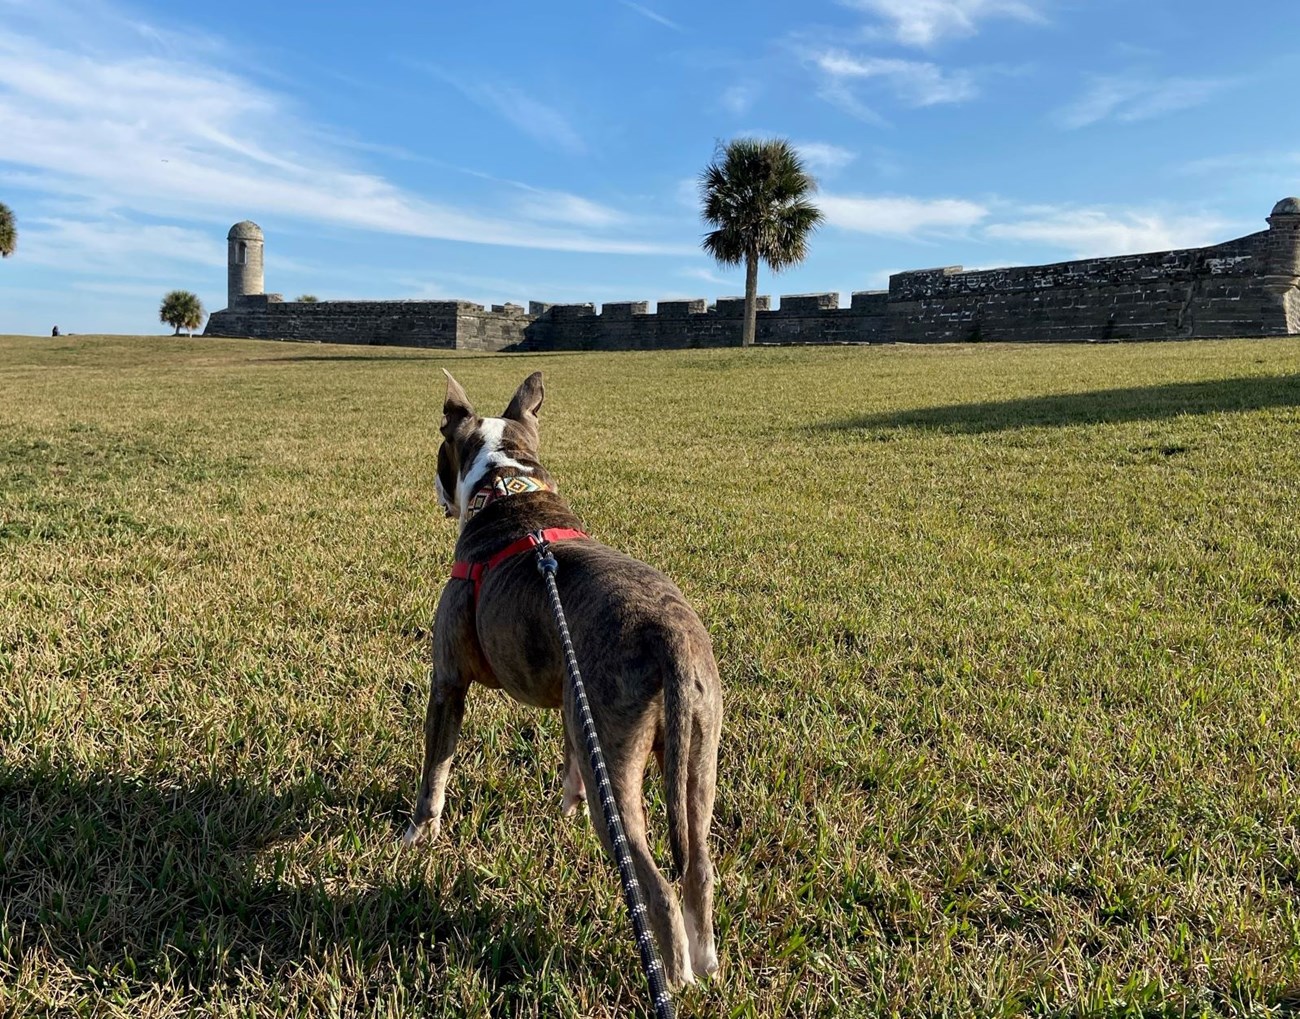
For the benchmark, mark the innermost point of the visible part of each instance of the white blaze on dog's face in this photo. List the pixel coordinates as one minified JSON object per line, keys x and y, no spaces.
{"x":473,"y":447}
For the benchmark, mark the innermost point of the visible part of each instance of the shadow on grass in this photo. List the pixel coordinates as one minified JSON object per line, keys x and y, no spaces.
{"x":150,"y":882}
{"x":1102,"y":406}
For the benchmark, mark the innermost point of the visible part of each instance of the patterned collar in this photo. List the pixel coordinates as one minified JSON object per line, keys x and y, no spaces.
{"x":499,"y":488}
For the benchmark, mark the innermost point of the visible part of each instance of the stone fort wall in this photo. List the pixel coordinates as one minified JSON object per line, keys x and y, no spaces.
{"x":1249,"y":286}
{"x":1194,"y":292}
{"x":801,"y":318}
{"x":450,"y":325}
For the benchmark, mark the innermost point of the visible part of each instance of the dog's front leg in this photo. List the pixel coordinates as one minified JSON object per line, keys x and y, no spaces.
{"x":441,"y":730}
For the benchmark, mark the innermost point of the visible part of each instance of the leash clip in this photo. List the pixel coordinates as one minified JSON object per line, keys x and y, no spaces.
{"x":545,"y":558}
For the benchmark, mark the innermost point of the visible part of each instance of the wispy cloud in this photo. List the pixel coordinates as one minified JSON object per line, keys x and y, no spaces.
{"x":916,"y":82}
{"x":1273,"y":173}
{"x":895,"y":216}
{"x":923,"y":23}
{"x":98,"y":119}
{"x":1064,"y":231}
{"x":704,"y":275}
{"x":1089,"y":232}
{"x":544,"y":205}
{"x":825,"y":157}
{"x":1243,"y":161}
{"x":739,"y":98}
{"x":437,"y":283}
{"x":686,"y":193}
{"x":840,"y":94}
{"x":645,"y":12}
{"x":154,"y":250}
{"x":1130,"y":98}
{"x":544,"y":124}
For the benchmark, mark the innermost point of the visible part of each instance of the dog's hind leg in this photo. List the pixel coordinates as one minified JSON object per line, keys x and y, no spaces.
{"x":692,"y":726}
{"x":625,"y":760}
{"x":697,"y":878}
{"x":441,"y":730}
{"x":575,"y":791}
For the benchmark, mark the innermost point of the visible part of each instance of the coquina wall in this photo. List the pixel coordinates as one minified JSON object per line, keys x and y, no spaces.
{"x":801,"y":318}
{"x":1196,"y":292}
{"x":453,"y":325}
{"x":1245,"y":287}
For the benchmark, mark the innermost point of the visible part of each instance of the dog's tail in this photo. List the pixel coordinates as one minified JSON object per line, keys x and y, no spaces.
{"x":678,"y":726}
{"x":692,"y":718}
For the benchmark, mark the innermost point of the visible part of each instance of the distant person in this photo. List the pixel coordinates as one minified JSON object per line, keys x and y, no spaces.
{"x":55,"y":331}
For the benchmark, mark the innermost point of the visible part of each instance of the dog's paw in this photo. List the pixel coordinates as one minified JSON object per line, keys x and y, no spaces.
{"x":416,"y":833}
{"x":707,"y":966}
{"x":703,"y":957}
{"x":573,"y":805}
{"x":682,"y":976}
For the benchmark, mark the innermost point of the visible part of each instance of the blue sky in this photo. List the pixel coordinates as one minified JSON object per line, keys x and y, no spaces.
{"x":548,"y":151}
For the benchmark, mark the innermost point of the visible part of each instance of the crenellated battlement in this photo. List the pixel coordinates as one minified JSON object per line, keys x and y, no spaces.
{"x":631,"y":325}
{"x":1249,"y":286}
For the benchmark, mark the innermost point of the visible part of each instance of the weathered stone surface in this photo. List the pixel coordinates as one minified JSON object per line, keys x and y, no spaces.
{"x":624,"y":310}
{"x":734,"y":307}
{"x":869,"y":300}
{"x":447,"y":324}
{"x":1245,"y":287}
{"x":569,"y":312}
{"x":678,"y":324}
{"x":680,"y":309}
{"x":244,"y":276}
{"x":1194,"y":292}
{"x":808,"y":304}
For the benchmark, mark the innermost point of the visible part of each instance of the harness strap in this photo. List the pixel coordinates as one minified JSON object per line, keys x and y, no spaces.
{"x":464,"y":570}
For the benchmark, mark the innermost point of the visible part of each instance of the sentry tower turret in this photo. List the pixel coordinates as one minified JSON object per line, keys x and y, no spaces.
{"x":1284,"y":239}
{"x":244,"y":275}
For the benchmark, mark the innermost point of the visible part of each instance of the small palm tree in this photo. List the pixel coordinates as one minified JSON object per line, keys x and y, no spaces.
{"x":181,"y":309}
{"x":8,"y":232}
{"x":756,"y":195}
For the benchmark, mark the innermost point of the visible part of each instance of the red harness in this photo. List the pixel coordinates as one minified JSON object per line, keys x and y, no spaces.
{"x":462,"y":570}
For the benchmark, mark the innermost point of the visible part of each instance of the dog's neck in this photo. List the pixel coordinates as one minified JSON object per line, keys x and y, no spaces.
{"x":494,"y":486}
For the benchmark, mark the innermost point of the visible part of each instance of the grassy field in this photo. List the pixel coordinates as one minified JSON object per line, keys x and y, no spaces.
{"x":1010,"y":639}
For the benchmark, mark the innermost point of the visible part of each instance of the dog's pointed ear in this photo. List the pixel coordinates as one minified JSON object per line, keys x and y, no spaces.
{"x":455,"y":407}
{"x":527,"y":400}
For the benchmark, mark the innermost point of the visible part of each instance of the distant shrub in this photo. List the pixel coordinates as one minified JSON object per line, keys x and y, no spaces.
{"x":308,"y":299}
{"x":8,"y":231}
{"x":182,"y":310}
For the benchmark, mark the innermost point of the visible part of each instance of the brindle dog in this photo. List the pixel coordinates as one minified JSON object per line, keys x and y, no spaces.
{"x":646,"y":660}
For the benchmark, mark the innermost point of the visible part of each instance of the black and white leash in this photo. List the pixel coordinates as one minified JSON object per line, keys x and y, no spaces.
{"x":650,"y":961}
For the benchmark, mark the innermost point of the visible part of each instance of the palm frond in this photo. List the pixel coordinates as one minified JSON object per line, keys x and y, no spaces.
{"x":727,"y":246}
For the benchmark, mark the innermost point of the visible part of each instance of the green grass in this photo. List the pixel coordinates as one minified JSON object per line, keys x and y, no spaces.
{"x":1009,"y":640}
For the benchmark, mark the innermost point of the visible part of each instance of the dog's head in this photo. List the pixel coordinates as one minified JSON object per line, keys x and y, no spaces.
{"x":473,"y":446}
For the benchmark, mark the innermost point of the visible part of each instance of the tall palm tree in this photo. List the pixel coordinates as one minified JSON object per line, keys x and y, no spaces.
{"x":756,"y":195}
{"x":8,"y":232}
{"x":182,"y":309}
